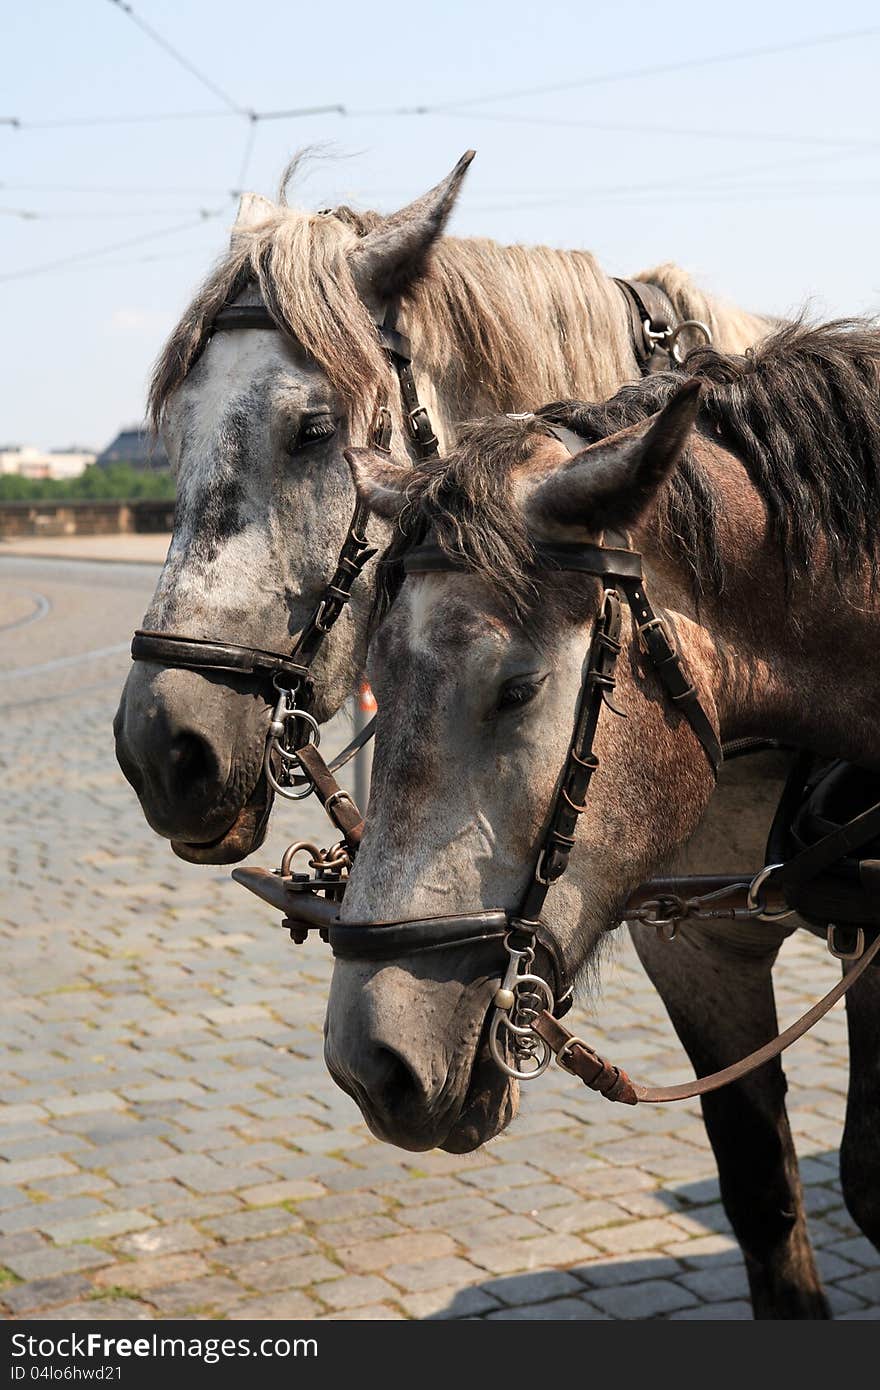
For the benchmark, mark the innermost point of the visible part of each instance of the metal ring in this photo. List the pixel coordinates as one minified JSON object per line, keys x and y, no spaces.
{"x":309,"y":719}
{"x":286,"y":791}
{"x":755,"y":906}
{"x":499,"y":1058}
{"x":831,"y":941}
{"x":680,"y":327}
{"x":298,"y":847}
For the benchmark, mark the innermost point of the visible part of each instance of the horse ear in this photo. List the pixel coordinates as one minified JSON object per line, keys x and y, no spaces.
{"x":388,"y":260}
{"x":612,"y":483}
{"x":253,"y":209}
{"x":380,"y":484}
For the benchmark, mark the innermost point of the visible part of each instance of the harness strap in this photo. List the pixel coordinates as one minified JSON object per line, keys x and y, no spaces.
{"x":652,"y":321}
{"x":338,"y":804}
{"x":666,"y":661}
{"x":576,"y":1056}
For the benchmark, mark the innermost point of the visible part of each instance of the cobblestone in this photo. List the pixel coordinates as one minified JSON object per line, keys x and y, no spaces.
{"x":163,"y":1091}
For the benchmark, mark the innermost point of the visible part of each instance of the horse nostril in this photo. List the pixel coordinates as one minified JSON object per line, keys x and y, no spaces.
{"x":398,"y":1084}
{"x":190,"y":760}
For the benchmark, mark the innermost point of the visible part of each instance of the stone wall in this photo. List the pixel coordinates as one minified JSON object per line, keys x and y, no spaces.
{"x":84,"y":518}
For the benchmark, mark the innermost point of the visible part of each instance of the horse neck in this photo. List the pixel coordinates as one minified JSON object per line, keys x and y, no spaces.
{"x":792,"y":661}
{"x":509,"y":328}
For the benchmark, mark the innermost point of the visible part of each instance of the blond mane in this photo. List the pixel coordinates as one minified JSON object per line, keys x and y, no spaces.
{"x":497,"y":327}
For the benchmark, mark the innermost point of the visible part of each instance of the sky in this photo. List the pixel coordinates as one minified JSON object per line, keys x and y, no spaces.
{"x":757,"y":173}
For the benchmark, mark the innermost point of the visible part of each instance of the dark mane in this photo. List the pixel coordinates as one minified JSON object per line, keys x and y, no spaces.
{"x":801,"y":411}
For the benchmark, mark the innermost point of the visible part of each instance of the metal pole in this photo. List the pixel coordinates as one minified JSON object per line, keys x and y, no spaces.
{"x":364,"y":709}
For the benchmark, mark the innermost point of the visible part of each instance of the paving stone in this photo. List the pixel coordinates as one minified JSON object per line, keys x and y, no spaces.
{"x":269,"y":1193}
{"x":101,"y":1226}
{"x":449,"y":1215}
{"x":635,"y":1235}
{"x":30,"y":1170}
{"x":715,"y":1312}
{"x":448,"y":1302}
{"x":298,"y":1273}
{"x":378,"y":1254}
{"x":600,"y":1274}
{"x":103,"y":1310}
{"x":43,"y":1293}
{"x":282,"y":1307}
{"x":246,"y":1225}
{"x":86,"y":1104}
{"x":558,"y":1310}
{"x":727,"y":1284}
{"x":513,"y":1255}
{"x":431,"y":1274}
{"x":373,"y":1312}
{"x":533,"y":1288}
{"x":47,"y":1261}
{"x":865,"y":1285}
{"x":644,"y":1300}
{"x":148,"y":1274}
{"x":163,"y":1240}
{"x":341,"y":1208}
{"x":254,"y":1251}
{"x":195,"y":1295}
{"x":355,"y":1290}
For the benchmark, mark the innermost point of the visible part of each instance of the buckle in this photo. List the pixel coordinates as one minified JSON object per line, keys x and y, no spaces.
{"x":837,"y":951}
{"x":419,"y":423}
{"x":381,"y":429}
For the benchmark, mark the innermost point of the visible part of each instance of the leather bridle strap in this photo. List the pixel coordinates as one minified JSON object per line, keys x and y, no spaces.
{"x":576,"y":1056}
{"x":195,"y":653}
{"x":652,"y":321}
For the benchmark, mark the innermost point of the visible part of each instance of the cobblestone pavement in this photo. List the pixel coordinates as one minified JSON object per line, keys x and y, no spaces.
{"x":170,"y":1143}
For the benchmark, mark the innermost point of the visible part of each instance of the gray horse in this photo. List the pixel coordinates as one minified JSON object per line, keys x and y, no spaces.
{"x":478,"y":675}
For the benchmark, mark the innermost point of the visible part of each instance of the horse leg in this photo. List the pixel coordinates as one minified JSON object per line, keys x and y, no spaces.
{"x":860,"y":1150}
{"x":720,"y":1001}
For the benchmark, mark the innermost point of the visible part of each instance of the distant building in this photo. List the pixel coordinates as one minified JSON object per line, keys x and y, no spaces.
{"x":29,"y":462}
{"x":135,"y":445}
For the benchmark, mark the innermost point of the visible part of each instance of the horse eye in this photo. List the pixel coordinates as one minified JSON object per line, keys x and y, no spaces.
{"x":314,"y":429}
{"x":518,"y":693}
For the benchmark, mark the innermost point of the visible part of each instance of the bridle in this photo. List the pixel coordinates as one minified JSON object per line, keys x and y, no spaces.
{"x":523,"y":993}
{"x":293,"y":724}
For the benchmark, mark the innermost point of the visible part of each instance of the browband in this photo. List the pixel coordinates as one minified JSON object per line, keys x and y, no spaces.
{"x":234,"y":316}
{"x":585,"y":558}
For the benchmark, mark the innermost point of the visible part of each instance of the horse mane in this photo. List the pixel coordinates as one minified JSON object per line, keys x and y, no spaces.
{"x":801,"y":411}
{"x":497,"y":327}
